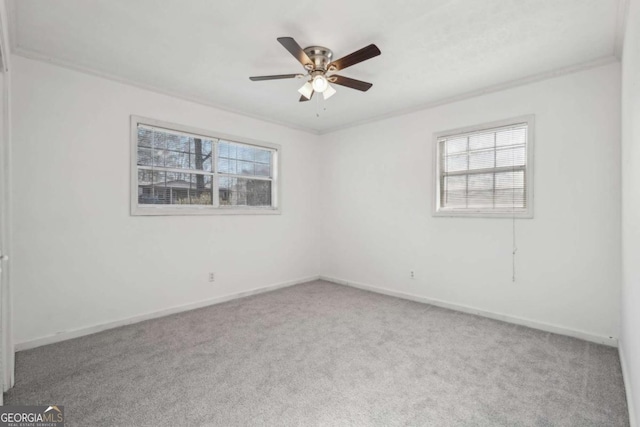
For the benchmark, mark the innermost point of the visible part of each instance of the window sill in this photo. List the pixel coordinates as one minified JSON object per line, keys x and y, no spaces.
{"x":187,"y":211}
{"x":482,"y":214}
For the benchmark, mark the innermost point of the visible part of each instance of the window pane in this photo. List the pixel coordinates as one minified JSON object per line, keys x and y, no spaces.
{"x":481,"y":160}
{"x":457,"y":163}
{"x":174,"y":188}
{"x":511,"y":137}
{"x":201,"y":157}
{"x":481,"y":141}
{"x":145,"y":177}
{"x":510,"y":179}
{"x":178,"y":143}
{"x":263,"y":156}
{"x":207,"y":155}
{"x":226,"y":166}
{"x":200,"y":190}
{"x":244,"y":192}
{"x":145,"y":137}
{"x":511,"y":198}
{"x":456,"y":183}
{"x":480,"y":190}
{"x":177,"y":160}
{"x":173,"y":142}
{"x":240,"y":159}
{"x":481,"y":181}
{"x":227,"y":149}
{"x":158,"y":157}
{"x":150,"y":187}
{"x":245,"y":168}
{"x":455,"y":191}
{"x":263,"y":170}
{"x":145,"y":156}
{"x":173,"y":150}
{"x":245,"y":152}
{"x":510,"y":157}
{"x":223,"y":149}
{"x":159,"y":139}
{"x":456,"y":145}
{"x":480,"y":199}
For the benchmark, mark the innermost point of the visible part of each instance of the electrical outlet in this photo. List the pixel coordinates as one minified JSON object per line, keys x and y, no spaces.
{"x":412,"y":274}
{"x":212,"y":277}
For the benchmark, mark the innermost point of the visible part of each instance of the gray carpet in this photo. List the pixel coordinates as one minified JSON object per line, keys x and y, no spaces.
{"x":324,"y":354}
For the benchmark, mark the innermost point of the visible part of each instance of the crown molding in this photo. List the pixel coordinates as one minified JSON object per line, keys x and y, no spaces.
{"x":489,"y":89}
{"x":621,"y":20}
{"x":623,"y":5}
{"x":37,"y":56}
{"x":17,"y":50}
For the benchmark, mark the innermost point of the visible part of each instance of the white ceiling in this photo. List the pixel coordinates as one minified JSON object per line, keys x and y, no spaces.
{"x":204,"y":50}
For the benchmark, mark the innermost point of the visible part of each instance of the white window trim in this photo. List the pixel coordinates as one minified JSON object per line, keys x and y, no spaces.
{"x":480,"y":213}
{"x":137,"y":209}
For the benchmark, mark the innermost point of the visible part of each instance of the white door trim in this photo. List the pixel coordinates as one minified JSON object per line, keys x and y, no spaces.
{"x":7,"y":374}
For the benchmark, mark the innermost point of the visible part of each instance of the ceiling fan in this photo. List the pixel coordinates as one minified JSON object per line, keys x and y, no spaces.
{"x":320,"y":68}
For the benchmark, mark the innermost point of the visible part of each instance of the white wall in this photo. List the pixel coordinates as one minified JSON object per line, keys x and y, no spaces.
{"x":377,"y":208}
{"x":80,"y":259}
{"x":630,"y":337}
{"x":356,"y":206}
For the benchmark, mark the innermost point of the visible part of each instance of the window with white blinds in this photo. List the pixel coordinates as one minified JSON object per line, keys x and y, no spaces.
{"x":178,"y":170}
{"x":485,"y":170}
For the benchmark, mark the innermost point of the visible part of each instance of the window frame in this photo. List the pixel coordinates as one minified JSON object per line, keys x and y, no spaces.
{"x":137,"y":209}
{"x":438,"y":211}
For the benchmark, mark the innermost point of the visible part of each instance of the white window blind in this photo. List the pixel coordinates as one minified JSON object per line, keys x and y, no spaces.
{"x":484,"y":171}
{"x":178,"y":171}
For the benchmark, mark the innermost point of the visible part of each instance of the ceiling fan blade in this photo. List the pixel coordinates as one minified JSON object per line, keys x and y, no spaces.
{"x":354,"y":58}
{"x":275,"y":77}
{"x":304,"y":99}
{"x":352,"y":83}
{"x":294,"y":49}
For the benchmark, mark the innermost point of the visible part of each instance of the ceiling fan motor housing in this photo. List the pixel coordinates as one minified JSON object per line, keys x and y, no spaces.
{"x":320,"y":56}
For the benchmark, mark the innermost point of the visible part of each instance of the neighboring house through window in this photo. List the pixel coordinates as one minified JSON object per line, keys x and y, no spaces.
{"x":178,"y":170}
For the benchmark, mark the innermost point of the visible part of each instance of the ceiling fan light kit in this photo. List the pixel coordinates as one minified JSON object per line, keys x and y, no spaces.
{"x":329,"y":92}
{"x":319,"y":83}
{"x":319,"y":67}
{"x":306,"y":90}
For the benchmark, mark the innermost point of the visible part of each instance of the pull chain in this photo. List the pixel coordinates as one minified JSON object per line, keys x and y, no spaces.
{"x":318,"y":101}
{"x":513,"y":211}
{"x":515,"y":249}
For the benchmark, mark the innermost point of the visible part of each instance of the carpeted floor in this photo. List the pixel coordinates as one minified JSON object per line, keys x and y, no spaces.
{"x":324,"y":354}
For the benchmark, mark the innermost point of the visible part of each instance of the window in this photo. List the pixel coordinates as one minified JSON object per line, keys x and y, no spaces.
{"x":178,"y":171}
{"x":486,"y":170}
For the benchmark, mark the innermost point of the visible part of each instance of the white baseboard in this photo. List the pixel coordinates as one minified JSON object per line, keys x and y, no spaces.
{"x":75,"y":333}
{"x":610,"y":341}
{"x":627,"y":386}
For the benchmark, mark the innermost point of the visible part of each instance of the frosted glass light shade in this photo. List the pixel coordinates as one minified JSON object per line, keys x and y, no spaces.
{"x":306,"y":90}
{"x":320,"y":83}
{"x":328,"y":92}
